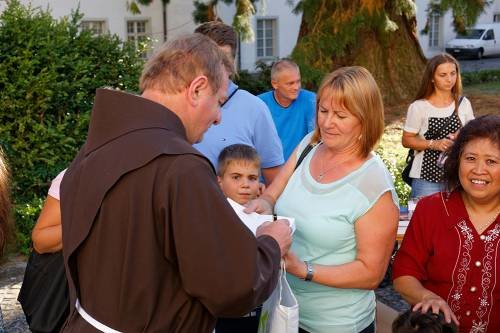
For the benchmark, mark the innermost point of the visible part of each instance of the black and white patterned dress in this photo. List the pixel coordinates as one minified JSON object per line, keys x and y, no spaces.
{"x":430,"y":169}
{"x":424,"y":119}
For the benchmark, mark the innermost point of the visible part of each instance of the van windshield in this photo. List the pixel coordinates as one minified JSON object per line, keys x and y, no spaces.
{"x":471,"y":34}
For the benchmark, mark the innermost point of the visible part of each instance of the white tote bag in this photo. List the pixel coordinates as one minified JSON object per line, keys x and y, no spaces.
{"x":280,"y":312}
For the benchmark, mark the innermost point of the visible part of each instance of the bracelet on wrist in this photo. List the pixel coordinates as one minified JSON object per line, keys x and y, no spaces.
{"x":309,"y":271}
{"x":431,"y":144}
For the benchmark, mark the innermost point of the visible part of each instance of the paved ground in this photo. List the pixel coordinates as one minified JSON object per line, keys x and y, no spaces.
{"x":11,"y":276}
{"x":473,"y":65}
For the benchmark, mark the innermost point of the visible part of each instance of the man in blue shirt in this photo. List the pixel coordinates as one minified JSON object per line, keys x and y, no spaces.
{"x":245,"y":118}
{"x":292,"y":108}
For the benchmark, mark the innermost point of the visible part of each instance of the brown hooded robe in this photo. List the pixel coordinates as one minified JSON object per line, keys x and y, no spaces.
{"x":150,"y":243}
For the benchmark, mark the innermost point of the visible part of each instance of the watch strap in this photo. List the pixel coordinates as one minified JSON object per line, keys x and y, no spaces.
{"x":309,"y":271}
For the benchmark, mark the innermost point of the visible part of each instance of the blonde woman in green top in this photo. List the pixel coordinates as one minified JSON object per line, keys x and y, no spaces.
{"x":344,"y":204}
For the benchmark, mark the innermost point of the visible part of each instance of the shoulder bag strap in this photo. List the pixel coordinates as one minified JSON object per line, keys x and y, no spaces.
{"x":436,"y":133}
{"x":304,"y":153}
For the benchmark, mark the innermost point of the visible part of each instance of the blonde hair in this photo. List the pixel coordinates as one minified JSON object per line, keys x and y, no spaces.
{"x":5,"y":203}
{"x":178,"y":62}
{"x":356,"y":90}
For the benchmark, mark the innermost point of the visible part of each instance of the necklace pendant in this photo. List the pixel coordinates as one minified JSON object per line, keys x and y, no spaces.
{"x":320,"y":177}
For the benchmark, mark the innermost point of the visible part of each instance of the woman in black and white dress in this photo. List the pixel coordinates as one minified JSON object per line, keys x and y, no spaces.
{"x":432,"y":122}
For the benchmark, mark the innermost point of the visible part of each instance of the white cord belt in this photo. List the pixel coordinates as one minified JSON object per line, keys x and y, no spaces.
{"x":88,"y":318}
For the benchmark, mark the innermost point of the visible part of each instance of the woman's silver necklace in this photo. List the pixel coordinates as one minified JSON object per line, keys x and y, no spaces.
{"x":323,"y":172}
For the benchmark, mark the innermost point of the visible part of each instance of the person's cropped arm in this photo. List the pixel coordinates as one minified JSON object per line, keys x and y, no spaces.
{"x":413,"y":141}
{"x":375,"y":234}
{"x":423,"y":299}
{"x":411,"y":262}
{"x":47,"y":233}
{"x":266,"y":141}
{"x":270,"y":173}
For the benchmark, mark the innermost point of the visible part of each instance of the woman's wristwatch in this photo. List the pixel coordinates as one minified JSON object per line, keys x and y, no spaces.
{"x":309,"y":271}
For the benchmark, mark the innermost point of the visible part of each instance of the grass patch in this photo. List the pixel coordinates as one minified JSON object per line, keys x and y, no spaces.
{"x":485,"y":88}
{"x":394,"y":154}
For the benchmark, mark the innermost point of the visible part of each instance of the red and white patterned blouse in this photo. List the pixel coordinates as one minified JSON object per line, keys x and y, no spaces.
{"x":442,"y":249}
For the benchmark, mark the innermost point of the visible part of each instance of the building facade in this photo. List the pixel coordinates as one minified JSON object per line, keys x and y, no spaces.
{"x":275,"y":26}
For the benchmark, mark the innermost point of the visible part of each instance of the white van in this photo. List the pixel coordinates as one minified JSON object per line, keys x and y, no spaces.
{"x":482,"y":39}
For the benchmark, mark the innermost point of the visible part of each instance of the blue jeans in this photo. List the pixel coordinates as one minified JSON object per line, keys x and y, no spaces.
{"x":422,"y":188}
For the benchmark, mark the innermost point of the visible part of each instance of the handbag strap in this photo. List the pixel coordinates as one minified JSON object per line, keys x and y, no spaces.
{"x":435,"y":134}
{"x":304,"y":153}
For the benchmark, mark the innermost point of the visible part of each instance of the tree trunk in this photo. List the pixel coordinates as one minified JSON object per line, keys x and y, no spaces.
{"x":352,"y":32}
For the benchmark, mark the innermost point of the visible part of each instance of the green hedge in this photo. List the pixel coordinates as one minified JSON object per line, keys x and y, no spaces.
{"x":257,"y":82}
{"x":483,"y":76}
{"x":49,"y":71}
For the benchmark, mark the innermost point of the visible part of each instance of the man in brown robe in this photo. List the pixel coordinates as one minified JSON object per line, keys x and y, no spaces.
{"x":150,"y":243}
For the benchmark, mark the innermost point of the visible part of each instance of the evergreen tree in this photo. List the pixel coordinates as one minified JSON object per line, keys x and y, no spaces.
{"x":377,"y":34}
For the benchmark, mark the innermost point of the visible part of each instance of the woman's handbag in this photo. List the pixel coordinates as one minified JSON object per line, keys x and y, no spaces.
{"x":44,"y":293}
{"x":280,"y":312}
{"x":405,"y":175}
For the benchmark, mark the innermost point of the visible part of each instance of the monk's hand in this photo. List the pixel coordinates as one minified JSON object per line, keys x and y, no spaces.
{"x":279,"y":230}
{"x":436,"y":304}
{"x":259,"y":205}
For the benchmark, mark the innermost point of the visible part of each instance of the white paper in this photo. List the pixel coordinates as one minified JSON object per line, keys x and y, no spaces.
{"x":254,"y":220}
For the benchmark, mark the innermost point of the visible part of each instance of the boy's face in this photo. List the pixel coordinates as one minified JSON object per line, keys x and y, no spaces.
{"x":240,"y":181}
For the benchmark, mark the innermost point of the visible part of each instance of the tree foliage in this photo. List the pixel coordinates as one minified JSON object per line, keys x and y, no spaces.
{"x":49,"y":71}
{"x":377,"y":34}
{"x":464,"y":12}
{"x":206,"y":11}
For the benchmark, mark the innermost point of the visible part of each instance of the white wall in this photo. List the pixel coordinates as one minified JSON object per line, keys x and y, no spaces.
{"x":180,"y":21}
{"x":115,"y":13}
{"x":288,"y":25}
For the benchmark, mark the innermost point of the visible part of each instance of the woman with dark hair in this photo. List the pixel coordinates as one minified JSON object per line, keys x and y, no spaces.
{"x":449,"y":260}
{"x":432,"y":121}
{"x":4,"y":211}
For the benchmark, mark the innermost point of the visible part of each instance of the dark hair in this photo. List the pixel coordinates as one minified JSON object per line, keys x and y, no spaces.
{"x":418,"y":322}
{"x":220,"y":33}
{"x":427,"y":86}
{"x":236,"y":152}
{"x":5,"y":204}
{"x":485,"y":127}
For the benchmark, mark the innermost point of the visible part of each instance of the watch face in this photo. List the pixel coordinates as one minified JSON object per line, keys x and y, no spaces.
{"x":310,"y":271}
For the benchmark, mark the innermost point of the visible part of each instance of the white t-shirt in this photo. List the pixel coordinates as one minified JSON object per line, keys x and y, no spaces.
{"x":56,"y":184}
{"x":421,"y":115}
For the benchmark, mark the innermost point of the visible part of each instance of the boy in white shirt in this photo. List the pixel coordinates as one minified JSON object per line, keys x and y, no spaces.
{"x":238,"y":172}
